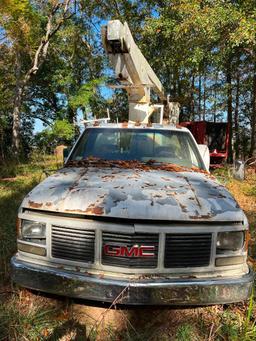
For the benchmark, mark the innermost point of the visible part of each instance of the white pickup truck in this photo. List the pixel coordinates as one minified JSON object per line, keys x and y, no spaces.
{"x":134,"y":217}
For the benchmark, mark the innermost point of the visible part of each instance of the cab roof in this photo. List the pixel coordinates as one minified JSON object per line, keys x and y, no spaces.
{"x":125,"y":125}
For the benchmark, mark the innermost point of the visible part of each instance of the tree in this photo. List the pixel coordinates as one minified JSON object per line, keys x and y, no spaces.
{"x":202,"y":38}
{"x":60,"y":132}
{"x":203,"y":52}
{"x":57,"y":13}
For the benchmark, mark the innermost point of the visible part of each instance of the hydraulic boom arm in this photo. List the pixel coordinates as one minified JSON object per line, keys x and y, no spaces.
{"x":133,"y":71}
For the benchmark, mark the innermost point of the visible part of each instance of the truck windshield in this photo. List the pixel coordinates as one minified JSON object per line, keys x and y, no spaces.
{"x":144,"y":145}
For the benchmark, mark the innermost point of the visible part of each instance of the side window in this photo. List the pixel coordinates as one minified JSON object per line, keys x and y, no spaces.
{"x":193,"y":157}
{"x":169,"y":146}
{"x":79,"y":151}
{"x":176,"y":146}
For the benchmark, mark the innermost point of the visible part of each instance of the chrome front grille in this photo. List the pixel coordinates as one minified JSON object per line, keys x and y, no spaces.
{"x":75,"y":244}
{"x":170,"y":250}
{"x":130,"y":244}
{"x":187,"y":250}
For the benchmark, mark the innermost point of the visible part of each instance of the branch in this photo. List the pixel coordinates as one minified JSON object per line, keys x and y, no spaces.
{"x":248,"y":50}
{"x":115,"y":301}
{"x":85,"y":42}
{"x":55,"y":8}
{"x":38,"y":117}
{"x":117,"y":9}
{"x":42,"y":49}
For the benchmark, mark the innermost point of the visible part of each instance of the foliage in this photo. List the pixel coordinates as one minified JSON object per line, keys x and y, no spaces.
{"x":192,"y":44}
{"x":208,"y":58}
{"x":21,"y":23}
{"x":63,"y":130}
{"x":84,"y":94}
{"x":60,"y":132}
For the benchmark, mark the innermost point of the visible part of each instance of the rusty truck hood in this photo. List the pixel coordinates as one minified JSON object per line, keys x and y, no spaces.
{"x":135,"y":194}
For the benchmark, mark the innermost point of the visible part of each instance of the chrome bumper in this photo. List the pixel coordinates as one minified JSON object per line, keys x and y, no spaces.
{"x":137,"y":292}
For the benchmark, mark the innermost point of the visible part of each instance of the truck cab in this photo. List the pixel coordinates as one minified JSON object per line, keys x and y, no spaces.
{"x":134,"y":217}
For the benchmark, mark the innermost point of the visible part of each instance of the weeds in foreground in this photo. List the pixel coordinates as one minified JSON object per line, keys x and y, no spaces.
{"x":185,"y":332}
{"x":34,"y":318}
{"x":249,"y":328}
{"x":12,"y":191}
{"x":11,"y":195}
{"x":24,"y":316}
{"x":232,"y":323}
{"x":30,"y":322}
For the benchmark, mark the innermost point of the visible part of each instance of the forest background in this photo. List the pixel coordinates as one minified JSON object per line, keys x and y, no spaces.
{"x":53,"y":68}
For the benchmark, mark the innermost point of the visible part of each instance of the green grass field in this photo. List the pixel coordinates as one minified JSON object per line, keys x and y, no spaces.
{"x":28,"y":316}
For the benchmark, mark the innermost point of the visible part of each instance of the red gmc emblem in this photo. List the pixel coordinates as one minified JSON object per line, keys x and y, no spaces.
{"x":125,"y":251}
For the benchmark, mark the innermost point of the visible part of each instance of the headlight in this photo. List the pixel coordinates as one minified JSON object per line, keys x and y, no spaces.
{"x":230,"y":241}
{"x":33,"y":231}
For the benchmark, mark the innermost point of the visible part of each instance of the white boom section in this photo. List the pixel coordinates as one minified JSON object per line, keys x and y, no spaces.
{"x":132,"y":70}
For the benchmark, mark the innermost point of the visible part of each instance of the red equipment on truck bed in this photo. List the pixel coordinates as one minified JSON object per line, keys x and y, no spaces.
{"x":213,"y":134}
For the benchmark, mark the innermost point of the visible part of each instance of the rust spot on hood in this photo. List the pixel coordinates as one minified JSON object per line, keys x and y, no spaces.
{"x":201,"y":216}
{"x":97,"y":210}
{"x":109,"y":176}
{"x":35,"y":204}
{"x":183,"y":207}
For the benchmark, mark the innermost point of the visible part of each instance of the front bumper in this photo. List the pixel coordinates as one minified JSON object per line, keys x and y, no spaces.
{"x":136,"y":292}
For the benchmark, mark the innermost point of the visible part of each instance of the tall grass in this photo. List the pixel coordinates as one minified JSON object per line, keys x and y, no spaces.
{"x":12,"y":191}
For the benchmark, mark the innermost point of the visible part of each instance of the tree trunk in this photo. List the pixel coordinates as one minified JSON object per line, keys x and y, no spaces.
{"x":71,"y":115}
{"x":199,"y":96}
{"x":192,"y":99}
{"x":204,"y":98}
{"x":17,"y":107}
{"x":215,"y":98}
{"x":236,"y":118}
{"x":179,"y":92}
{"x":174,"y":82}
{"x":229,"y":106}
{"x":16,"y":120}
{"x":253,"y":117}
{"x":1,"y":144}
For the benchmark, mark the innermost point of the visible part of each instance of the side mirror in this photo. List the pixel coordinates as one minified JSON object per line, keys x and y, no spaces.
{"x":205,"y":154}
{"x":66,"y":152}
{"x":239,"y":170}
